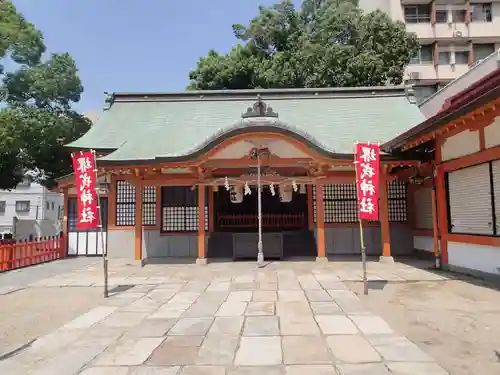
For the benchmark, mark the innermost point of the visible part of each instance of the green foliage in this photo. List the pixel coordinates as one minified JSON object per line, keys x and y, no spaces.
{"x":327,"y":43}
{"x":36,"y":120}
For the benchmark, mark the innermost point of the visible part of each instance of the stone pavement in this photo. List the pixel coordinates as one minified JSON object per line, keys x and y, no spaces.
{"x":289,"y":318}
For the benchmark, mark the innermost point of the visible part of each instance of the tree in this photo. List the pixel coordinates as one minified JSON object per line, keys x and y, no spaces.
{"x":327,"y":43}
{"x":37,"y":119}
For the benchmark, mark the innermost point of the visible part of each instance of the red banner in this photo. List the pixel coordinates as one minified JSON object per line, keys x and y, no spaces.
{"x":84,"y":168}
{"x":367,"y":161}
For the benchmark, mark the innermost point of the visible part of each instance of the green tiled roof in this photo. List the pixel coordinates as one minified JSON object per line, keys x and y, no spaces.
{"x":145,"y":127}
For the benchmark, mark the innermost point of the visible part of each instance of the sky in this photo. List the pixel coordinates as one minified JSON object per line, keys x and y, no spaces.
{"x":127,"y":45}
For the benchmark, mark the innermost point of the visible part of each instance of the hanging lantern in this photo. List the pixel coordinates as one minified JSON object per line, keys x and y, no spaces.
{"x":303,"y":189}
{"x":271,"y":188}
{"x":236,"y":194}
{"x":248,"y":191}
{"x":286,"y":193}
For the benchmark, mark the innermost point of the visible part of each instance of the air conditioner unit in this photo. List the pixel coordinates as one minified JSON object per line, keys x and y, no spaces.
{"x":414,"y":76}
{"x":457,"y":34}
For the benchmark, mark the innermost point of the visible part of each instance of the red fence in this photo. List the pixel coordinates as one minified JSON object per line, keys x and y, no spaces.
{"x":292,"y":220}
{"x":17,"y":254}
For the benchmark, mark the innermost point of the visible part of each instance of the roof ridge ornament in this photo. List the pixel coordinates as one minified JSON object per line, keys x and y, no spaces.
{"x":259,"y":109}
{"x":109,"y":98}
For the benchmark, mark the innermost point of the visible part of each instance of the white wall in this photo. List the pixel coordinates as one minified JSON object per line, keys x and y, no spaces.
{"x":474,"y":257}
{"x":38,"y":197}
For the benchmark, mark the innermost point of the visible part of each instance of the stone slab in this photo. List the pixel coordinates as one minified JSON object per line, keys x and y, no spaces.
{"x":298,"y":325}
{"x":352,"y":349}
{"x":336,"y":325}
{"x":124,"y":319}
{"x":152,"y":328}
{"x":265,"y":296}
{"x":176,"y":350}
{"x":131,"y":352}
{"x":318,"y":295}
{"x":203,"y":370}
{"x":217,"y":350}
{"x":416,"y":368}
{"x":240,"y":296}
{"x":232,"y":309}
{"x":398,"y":349}
{"x":305,"y":350}
{"x":191,"y":326}
{"x":363,"y":369}
{"x":371,"y":325}
{"x":151,"y":370}
{"x":310,"y":370}
{"x":261,"y":326}
{"x":259,"y":308}
{"x":90,"y":318}
{"x":259,"y":351}
{"x":106,"y":370}
{"x":227,"y":325}
{"x":291,"y":296}
{"x":325,"y":308}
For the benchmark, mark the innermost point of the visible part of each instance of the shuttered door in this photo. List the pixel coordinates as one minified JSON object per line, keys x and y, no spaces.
{"x":496,"y":191}
{"x":423,"y":208}
{"x":470,"y":200}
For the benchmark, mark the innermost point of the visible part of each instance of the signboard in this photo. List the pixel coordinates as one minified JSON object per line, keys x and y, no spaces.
{"x":367,"y":162}
{"x":85,"y":176}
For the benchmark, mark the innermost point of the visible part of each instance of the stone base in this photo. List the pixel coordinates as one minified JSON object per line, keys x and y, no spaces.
{"x":321,"y":260}
{"x":384,"y":259}
{"x":201,"y":261}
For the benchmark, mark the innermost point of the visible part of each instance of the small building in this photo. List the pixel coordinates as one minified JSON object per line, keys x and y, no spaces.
{"x":170,"y":157}
{"x":463,"y":142}
{"x":30,"y":210}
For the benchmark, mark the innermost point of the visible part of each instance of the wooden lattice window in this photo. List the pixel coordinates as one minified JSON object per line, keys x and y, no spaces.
{"x":179,"y":209}
{"x":340,"y":202}
{"x":125,"y":203}
{"x":149,"y":206}
{"x":397,"y":201}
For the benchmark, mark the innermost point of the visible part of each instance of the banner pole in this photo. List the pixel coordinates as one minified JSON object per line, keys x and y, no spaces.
{"x":101,"y":230}
{"x":361,"y":237}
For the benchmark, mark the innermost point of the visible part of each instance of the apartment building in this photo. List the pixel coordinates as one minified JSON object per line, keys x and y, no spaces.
{"x":454,"y":35}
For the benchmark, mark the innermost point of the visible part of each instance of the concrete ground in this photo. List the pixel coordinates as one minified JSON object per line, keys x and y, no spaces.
{"x":233,"y":319}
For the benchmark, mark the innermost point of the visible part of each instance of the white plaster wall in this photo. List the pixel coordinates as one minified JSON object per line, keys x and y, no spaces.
{"x":424,"y":243}
{"x":282,"y":149}
{"x":492,"y":134}
{"x":121,"y":243}
{"x":461,"y":144}
{"x":474,"y":257}
{"x":423,"y":208}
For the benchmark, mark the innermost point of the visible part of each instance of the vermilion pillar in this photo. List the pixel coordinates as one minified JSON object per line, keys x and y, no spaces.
{"x":320,"y":222}
{"x":201,"y":226}
{"x":384,"y":215}
{"x":138,"y":220}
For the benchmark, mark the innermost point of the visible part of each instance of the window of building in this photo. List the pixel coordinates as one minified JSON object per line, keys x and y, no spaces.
{"x":444,"y":57}
{"x":458,"y":15}
{"x":481,"y":12}
{"x":125,"y":204}
{"x":341,"y":206}
{"x":417,"y":13}
{"x":441,"y":16}
{"x":424,"y":92}
{"x":52,"y":206}
{"x":47,"y":205}
{"x":179,"y":209}
{"x":482,"y":51}
{"x":149,"y":206}
{"x":424,"y":55}
{"x":3,"y":206}
{"x":22,"y":206}
{"x":461,"y":57}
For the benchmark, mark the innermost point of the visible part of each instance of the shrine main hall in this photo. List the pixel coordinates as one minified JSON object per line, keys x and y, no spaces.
{"x":181,"y":173}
